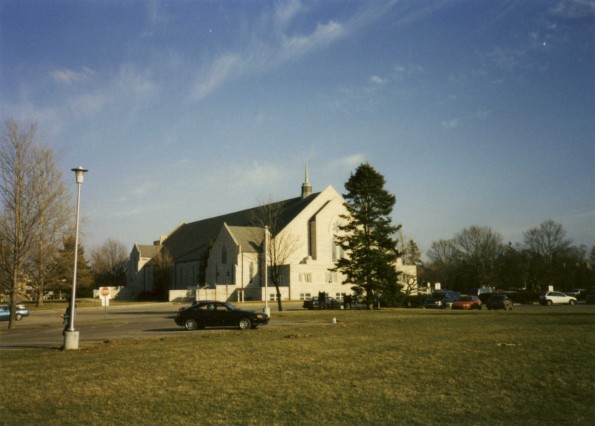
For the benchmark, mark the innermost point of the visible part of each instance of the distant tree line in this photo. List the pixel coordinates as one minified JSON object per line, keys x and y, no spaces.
{"x":477,"y":257}
{"x":37,"y":226}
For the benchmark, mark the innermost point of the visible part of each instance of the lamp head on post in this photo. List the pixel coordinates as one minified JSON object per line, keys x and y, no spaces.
{"x":79,"y":173}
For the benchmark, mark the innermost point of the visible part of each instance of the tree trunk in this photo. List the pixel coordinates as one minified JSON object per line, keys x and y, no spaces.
{"x":40,"y":295}
{"x":13,"y":301}
{"x":279,"y":305}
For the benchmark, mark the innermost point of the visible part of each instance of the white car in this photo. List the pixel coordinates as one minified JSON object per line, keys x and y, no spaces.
{"x":556,"y":298}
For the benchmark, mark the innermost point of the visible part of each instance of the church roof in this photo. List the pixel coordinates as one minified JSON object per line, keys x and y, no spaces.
{"x":146,"y":250}
{"x":190,"y":240}
{"x":248,"y":237}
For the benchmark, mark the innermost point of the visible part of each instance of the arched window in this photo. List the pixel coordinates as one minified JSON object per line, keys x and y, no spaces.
{"x":224,"y":255}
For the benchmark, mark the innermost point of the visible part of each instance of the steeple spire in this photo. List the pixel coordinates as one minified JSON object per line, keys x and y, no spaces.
{"x":306,"y":187}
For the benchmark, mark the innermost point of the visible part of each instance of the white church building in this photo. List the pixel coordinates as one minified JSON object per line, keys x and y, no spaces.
{"x":222,"y":257}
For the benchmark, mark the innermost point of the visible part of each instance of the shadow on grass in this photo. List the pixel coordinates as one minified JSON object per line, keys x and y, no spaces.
{"x":40,"y":347}
{"x":163,"y":330}
{"x":206,"y":329}
{"x":167,"y":314}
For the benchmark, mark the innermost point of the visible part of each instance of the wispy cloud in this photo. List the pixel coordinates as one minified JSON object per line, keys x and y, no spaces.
{"x":454,"y":122}
{"x":223,"y":68}
{"x":129,"y":84}
{"x":450,"y":123}
{"x":273,"y":46}
{"x":574,"y":9}
{"x":69,"y":76}
{"x":132,"y":81}
{"x":378,"y":80}
{"x":284,"y":14}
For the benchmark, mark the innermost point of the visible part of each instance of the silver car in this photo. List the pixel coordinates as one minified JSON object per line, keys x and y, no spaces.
{"x":20,"y":312}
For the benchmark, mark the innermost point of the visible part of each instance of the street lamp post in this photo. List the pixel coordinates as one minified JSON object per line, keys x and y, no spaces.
{"x":71,"y":337}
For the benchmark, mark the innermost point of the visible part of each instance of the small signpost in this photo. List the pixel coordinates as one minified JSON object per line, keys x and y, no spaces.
{"x":105,"y":294}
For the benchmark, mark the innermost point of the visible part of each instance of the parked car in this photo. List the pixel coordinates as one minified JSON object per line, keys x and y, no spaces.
{"x":480,"y":291}
{"x":329,"y":303}
{"x":213,"y":313}
{"x":499,"y":301}
{"x":21,"y":311}
{"x":467,"y":302}
{"x":442,"y":299}
{"x":577,"y":292}
{"x":556,"y":298}
{"x":590,"y":296}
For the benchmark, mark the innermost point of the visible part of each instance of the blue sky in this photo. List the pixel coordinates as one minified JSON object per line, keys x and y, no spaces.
{"x":475,"y":112}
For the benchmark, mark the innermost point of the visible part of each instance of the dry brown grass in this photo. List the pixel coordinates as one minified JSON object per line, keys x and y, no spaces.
{"x":380,"y":367}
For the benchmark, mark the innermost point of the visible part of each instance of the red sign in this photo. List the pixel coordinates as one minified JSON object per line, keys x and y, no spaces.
{"x":104,"y":291}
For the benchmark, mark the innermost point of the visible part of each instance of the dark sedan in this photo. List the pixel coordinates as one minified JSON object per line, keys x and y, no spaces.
{"x":329,"y":303}
{"x":499,"y":301}
{"x":212,"y":313}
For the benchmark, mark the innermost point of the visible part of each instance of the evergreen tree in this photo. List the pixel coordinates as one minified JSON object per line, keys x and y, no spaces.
{"x":64,"y":268}
{"x":163,"y":269}
{"x":367,"y":238}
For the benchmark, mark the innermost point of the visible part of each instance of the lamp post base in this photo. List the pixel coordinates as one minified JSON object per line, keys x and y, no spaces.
{"x":71,"y":340}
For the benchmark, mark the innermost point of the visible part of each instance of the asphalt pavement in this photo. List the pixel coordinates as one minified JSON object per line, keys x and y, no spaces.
{"x":43,"y":328}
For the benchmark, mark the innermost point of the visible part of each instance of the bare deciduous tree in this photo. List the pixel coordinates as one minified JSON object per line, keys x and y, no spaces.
{"x":280,"y":245}
{"x":54,"y":204}
{"x":548,"y":240}
{"x":409,"y":283}
{"x":109,"y":263}
{"x":19,"y":209}
{"x":469,"y":259}
{"x":479,"y":247}
{"x":35,"y":211}
{"x":442,"y":253}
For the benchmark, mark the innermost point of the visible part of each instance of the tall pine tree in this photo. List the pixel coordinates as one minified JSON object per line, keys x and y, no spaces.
{"x":368,"y":238}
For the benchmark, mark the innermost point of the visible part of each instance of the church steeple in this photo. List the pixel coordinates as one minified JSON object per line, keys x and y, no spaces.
{"x":306,"y":187}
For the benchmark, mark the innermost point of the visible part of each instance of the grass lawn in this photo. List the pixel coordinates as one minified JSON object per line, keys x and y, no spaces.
{"x":386,"y":367}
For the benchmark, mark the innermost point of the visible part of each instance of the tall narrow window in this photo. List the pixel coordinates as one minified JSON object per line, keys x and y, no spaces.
{"x":336,"y":250}
{"x":224,"y":255}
